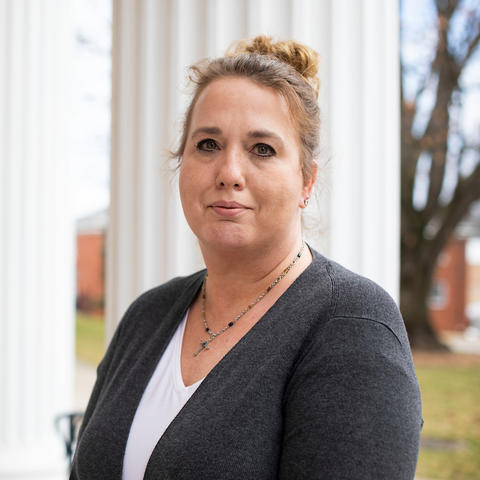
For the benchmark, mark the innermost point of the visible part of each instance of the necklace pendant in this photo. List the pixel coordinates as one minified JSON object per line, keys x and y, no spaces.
{"x":204,"y":346}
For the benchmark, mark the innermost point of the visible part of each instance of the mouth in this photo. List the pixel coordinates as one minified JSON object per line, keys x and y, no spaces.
{"x":228,"y":209}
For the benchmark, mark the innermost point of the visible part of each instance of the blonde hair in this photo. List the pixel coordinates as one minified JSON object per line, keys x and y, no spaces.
{"x":288,"y":67}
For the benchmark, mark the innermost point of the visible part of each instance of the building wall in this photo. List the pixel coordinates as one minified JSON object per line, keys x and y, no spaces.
{"x":473,"y":284}
{"x":90,"y":271}
{"x":448,"y":296}
{"x":473,"y":294}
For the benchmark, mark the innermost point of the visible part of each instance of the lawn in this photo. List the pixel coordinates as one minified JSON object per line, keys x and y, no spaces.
{"x":450,"y":385}
{"x":90,"y":338}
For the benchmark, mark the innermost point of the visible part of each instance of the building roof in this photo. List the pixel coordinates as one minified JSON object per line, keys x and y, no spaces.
{"x":94,"y":223}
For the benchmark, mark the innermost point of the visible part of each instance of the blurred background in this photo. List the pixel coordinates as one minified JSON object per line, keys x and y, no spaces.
{"x":91,"y":99}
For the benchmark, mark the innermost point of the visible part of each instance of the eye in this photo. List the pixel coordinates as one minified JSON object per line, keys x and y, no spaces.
{"x":207,"y":145}
{"x":263,"y":150}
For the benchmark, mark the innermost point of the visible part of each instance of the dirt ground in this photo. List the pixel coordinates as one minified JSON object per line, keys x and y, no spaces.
{"x":432,"y":359}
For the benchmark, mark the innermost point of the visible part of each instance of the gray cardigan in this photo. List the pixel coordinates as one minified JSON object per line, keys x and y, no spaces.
{"x":322,"y":387}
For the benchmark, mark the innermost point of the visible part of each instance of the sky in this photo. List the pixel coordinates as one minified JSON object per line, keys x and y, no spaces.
{"x":89,"y":138}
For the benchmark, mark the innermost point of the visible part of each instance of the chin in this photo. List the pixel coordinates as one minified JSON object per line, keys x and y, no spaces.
{"x":227,"y":243}
{"x":226,"y":238}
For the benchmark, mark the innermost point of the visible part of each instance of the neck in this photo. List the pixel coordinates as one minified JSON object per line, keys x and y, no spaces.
{"x":238,"y":276}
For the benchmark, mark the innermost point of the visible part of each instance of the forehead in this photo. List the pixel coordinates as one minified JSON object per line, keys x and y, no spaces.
{"x":241,"y":103}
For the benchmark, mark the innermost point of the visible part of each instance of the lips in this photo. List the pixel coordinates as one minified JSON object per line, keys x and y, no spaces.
{"x":228,"y":209}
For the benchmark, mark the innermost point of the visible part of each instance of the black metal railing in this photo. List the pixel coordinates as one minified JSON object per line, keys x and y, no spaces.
{"x":67,"y":426}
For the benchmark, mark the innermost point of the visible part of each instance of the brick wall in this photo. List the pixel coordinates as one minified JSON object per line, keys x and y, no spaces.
{"x":90,"y":271}
{"x":473,"y":282}
{"x":448,"y":296}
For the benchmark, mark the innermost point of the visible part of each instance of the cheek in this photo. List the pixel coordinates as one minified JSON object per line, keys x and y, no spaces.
{"x":186,"y":177}
{"x":186,"y":185}
{"x":192,"y":187}
{"x":181,"y":185}
{"x":283,"y":193}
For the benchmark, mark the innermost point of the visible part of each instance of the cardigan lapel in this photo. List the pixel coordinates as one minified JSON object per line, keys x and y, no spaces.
{"x":135,"y":385}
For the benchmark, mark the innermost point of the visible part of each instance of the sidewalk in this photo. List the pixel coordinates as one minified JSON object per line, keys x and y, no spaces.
{"x":467,"y":342}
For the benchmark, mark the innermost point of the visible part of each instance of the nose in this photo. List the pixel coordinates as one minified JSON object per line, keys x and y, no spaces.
{"x":230,"y":168}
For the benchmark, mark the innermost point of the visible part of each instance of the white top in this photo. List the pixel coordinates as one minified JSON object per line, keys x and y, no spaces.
{"x":163,"y":398}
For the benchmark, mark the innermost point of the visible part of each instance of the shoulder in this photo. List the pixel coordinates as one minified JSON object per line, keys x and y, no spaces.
{"x":355,"y":295}
{"x":363,"y":337}
{"x":356,"y":300}
{"x":154,"y":306}
{"x":168,"y":292}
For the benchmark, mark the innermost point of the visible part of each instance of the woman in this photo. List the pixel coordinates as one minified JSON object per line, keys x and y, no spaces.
{"x":279,"y":363}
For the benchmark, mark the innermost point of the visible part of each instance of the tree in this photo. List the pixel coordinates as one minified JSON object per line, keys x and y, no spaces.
{"x":440,"y":176}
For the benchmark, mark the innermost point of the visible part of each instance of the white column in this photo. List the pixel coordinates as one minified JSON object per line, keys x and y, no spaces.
{"x":36,"y":238}
{"x":365,"y":139}
{"x":357,"y":215}
{"x":148,"y":239}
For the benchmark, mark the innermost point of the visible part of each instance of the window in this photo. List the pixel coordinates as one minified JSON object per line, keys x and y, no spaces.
{"x":438,"y":297}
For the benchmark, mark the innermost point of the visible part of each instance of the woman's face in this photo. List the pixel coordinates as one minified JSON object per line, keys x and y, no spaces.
{"x":241,"y":182}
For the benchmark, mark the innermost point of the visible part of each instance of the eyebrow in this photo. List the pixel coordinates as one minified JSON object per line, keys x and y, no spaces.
{"x":264,"y":134}
{"x":209,"y":130}
{"x":250,"y":134}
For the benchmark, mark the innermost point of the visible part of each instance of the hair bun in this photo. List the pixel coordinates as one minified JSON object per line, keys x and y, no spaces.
{"x":302,"y":58}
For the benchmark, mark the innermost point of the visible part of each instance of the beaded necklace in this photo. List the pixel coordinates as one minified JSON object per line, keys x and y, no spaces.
{"x":205,"y":344}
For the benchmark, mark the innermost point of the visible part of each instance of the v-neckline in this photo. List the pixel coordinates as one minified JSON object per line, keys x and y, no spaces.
{"x":178,"y":380}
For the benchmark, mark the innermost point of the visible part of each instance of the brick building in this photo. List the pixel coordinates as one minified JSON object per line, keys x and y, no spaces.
{"x":473,"y":294}
{"x":449,"y":289}
{"x":91,"y":262}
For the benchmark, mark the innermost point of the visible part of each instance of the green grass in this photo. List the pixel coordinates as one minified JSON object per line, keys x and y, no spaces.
{"x":90,"y":338}
{"x":451,"y":410}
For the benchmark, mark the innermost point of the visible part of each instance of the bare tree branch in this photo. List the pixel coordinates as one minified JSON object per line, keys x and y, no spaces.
{"x":471,"y":48}
{"x":435,"y":138}
{"x":467,"y":191}
{"x":410,"y":153}
{"x":446,"y":7}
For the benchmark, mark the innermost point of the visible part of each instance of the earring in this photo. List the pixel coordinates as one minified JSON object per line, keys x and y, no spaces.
{"x":305,"y":202}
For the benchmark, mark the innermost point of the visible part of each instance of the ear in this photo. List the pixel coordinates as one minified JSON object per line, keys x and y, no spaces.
{"x":308,"y":186}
